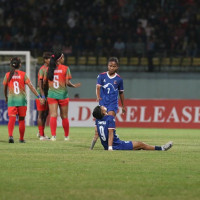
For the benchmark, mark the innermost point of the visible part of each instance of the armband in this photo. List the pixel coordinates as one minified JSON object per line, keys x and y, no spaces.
{"x":43,"y":97}
{"x":38,"y":96}
{"x":110,"y":148}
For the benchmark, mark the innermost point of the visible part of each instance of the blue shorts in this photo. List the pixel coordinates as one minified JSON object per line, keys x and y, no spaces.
{"x":110,"y":107}
{"x":124,"y":145}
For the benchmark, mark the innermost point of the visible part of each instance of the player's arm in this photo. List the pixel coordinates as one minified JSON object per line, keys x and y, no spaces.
{"x":98,"y":87}
{"x":70,"y":84}
{"x":6,"y":92}
{"x":34,"y":91}
{"x":110,"y":139}
{"x":41,"y":86}
{"x":96,"y":136}
{"x":121,"y":95}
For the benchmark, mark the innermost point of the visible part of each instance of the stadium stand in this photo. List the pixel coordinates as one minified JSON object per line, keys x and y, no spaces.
{"x":161,"y":29}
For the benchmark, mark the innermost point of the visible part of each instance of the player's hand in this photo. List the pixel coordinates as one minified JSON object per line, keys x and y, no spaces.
{"x":76,"y":85}
{"x":123,"y":110}
{"x":42,"y":101}
{"x":98,"y":99}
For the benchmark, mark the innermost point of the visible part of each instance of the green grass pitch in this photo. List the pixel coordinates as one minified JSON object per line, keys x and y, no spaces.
{"x":46,"y":170}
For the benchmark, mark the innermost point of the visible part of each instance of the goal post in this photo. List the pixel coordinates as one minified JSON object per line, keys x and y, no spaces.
{"x":5,"y":63}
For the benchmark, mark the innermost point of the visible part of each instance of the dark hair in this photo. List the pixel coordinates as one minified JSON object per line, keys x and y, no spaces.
{"x":47,"y":55}
{"x":15,"y":64}
{"x":52,"y":65}
{"x":114,"y":59}
{"x":97,"y":112}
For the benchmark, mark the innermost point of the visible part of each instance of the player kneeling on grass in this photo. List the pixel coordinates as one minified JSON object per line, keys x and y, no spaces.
{"x":105,"y":129}
{"x":15,"y":96}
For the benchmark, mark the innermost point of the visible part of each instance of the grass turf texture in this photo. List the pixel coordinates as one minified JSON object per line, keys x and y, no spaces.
{"x":69,"y":170}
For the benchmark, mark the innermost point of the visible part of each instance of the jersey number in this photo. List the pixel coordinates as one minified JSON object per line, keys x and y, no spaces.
{"x":108,"y":90}
{"x":55,"y":81}
{"x":16,"y":87}
{"x":101,"y":129}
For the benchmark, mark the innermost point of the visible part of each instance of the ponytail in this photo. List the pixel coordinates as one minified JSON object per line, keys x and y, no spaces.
{"x":15,"y":64}
{"x":52,"y":65}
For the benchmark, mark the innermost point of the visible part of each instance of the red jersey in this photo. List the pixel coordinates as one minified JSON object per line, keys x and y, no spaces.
{"x":16,"y":88}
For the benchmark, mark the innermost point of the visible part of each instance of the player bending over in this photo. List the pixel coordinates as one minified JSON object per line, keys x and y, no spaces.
{"x":105,"y":129}
{"x":15,"y":96}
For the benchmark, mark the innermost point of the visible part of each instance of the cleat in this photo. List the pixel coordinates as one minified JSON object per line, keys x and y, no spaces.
{"x":46,"y":137}
{"x":167,"y":146}
{"x":53,"y":138}
{"x":22,"y":141}
{"x":42,"y":138}
{"x":66,"y":138}
{"x":11,"y":140}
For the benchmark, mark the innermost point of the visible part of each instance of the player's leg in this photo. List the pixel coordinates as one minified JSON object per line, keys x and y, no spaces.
{"x":141,"y":145}
{"x":22,"y":114}
{"x":40,"y":123}
{"x":11,"y":123}
{"x":112,"y":113}
{"x":53,"y":110}
{"x":44,"y":118}
{"x":42,"y":115}
{"x":63,"y":104}
{"x":21,"y":129}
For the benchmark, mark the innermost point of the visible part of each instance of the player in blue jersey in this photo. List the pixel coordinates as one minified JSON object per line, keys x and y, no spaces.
{"x":109,"y":87}
{"x":105,"y":130}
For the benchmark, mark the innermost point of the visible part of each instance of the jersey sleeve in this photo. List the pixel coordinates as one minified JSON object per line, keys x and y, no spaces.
{"x":121,"y":85}
{"x":26,"y":79}
{"x":68,"y":74}
{"x":5,"y":80}
{"x":99,"y":79}
{"x":111,"y":122}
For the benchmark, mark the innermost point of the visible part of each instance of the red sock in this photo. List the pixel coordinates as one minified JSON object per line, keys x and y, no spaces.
{"x":65,"y":124}
{"x":41,"y":130}
{"x":21,"y":129}
{"x":53,"y":125}
{"x":11,"y":125}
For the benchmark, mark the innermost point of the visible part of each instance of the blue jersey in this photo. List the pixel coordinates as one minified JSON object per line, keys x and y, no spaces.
{"x":107,"y":122}
{"x":110,"y":87}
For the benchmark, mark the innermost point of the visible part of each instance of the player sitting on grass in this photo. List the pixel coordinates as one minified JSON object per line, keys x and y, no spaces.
{"x":105,"y":129}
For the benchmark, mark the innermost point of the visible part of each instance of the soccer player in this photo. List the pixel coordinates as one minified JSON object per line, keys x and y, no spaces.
{"x":59,"y":76}
{"x":15,"y":96}
{"x":109,"y":85}
{"x":105,"y":129}
{"x":42,"y":90}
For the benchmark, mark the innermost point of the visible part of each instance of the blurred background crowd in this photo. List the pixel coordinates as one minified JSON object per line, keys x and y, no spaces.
{"x":102,"y":27}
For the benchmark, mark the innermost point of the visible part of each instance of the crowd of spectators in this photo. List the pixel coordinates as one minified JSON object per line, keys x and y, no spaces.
{"x":102,"y":27}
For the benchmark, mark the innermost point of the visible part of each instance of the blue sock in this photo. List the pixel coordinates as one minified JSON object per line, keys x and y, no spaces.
{"x":158,"y":148}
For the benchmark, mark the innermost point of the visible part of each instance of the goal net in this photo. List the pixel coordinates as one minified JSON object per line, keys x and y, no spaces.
{"x":29,"y":65}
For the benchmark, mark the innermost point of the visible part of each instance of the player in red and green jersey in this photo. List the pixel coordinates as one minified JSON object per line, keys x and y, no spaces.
{"x":15,"y":96}
{"x":42,"y":90}
{"x":58,"y":77}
